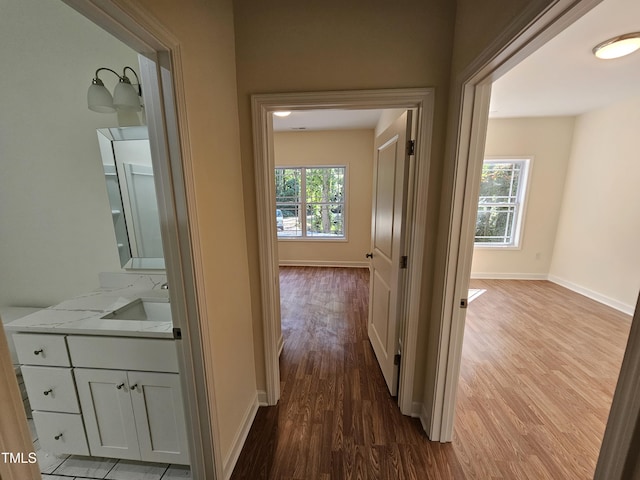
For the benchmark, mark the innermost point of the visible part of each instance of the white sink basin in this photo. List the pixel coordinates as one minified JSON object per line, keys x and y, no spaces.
{"x":156,"y":310}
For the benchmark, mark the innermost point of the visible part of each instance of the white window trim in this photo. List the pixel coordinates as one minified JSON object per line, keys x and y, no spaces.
{"x":520,"y":222}
{"x":345,"y":199}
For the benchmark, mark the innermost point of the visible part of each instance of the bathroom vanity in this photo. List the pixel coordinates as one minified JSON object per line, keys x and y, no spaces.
{"x":101,"y":373}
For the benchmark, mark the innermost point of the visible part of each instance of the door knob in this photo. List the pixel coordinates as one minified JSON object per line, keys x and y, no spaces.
{"x":369,"y":255}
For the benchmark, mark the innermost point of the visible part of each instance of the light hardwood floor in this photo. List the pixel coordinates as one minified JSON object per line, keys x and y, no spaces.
{"x":539,"y":367}
{"x":538,"y":372}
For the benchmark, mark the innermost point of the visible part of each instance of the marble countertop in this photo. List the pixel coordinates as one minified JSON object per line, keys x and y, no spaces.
{"x":81,"y":315}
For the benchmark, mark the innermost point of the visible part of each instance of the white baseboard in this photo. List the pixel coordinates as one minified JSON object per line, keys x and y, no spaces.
{"x":262,"y":398}
{"x":424,"y":417}
{"x":509,"y":276}
{"x":598,"y":297}
{"x":416,"y":409}
{"x":240,"y":437}
{"x":280,"y":345}
{"x":323,"y":263}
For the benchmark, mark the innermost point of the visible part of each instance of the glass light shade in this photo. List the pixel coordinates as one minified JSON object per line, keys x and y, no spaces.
{"x":99,"y":99}
{"x":618,"y":47}
{"x":125,"y":97}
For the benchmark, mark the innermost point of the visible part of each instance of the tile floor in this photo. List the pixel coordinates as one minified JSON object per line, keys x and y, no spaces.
{"x":70,"y":467}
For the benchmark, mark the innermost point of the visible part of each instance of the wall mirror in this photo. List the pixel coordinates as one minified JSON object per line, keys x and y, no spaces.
{"x":126,"y":158}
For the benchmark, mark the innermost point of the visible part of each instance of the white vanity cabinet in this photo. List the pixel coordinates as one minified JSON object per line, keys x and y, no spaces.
{"x":130,"y":413}
{"x":104,"y":396}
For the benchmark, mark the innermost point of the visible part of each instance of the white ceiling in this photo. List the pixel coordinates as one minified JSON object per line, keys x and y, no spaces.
{"x":329,"y":119}
{"x":563,"y":77}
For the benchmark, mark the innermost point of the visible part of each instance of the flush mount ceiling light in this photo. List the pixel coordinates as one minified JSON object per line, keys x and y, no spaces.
{"x":282,"y":114}
{"x":125,"y":95}
{"x":618,"y":46}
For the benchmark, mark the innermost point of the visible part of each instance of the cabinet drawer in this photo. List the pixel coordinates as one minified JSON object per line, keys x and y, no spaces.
{"x":51,"y":389}
{"x":146,"y":354}
{"x":41,"y":349}
{"x":61,"y":433}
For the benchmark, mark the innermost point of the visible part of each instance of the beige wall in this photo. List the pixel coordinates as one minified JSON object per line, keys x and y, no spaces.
{"x":548,"y":141}
{"x":291,"y":46}
{"x":353,"y":148}
{"x":205,"y":33}
{"x":55,"y":219}
{"x":596,"y":248}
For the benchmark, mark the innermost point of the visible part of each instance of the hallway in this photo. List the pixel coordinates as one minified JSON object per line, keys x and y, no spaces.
{"x":335,"y":419}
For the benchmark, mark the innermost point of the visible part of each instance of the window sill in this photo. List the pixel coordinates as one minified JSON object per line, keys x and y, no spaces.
{"x":483,"y":246}
{"x":313,"y":239}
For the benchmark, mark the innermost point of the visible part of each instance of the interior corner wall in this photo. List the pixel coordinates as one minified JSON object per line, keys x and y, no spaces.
{"x":55,"y":219}
{"x":353,"y":148}
{"x":596,"y":250}
{"x":387,"y":117}
{"x":548,"y":141}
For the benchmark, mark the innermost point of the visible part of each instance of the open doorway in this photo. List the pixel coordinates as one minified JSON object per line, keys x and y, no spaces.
{"x":341,"y":183}
{"x":263,"y":108}
{"x":534,"y":266}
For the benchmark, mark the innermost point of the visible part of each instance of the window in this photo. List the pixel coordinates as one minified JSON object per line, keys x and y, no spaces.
{"x":310,"y":202}
{"x":500,"y":204}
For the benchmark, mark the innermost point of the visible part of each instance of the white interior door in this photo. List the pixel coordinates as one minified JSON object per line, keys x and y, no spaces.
{"x":390,"y":174}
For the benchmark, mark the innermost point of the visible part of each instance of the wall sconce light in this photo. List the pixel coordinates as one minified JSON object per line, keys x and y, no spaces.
{"x":125,"y":96}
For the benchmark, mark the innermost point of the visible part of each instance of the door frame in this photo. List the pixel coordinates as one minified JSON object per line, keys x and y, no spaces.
{"x":165,"y":106}
{"x":535,"y":25}
{"x":262,"y":106}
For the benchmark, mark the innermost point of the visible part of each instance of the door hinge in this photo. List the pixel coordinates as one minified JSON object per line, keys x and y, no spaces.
{"x":464,"y":302}
{"x":403,"y":261}
{"x":177,"y":333}
{"x":411,"y":147}
{"x":396,"y":359}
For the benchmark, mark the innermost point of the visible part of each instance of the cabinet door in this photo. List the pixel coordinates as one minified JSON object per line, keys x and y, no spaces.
{"x":159,"y":414}
{"x":107,"y":413}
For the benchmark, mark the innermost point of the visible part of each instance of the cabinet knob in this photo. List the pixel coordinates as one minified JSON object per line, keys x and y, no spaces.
{"x":47,"y":392}
{"x":134,"y":386}
{"x":119,"y":386}
{"x":58,"y":437}
{"x":38,"y":352}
